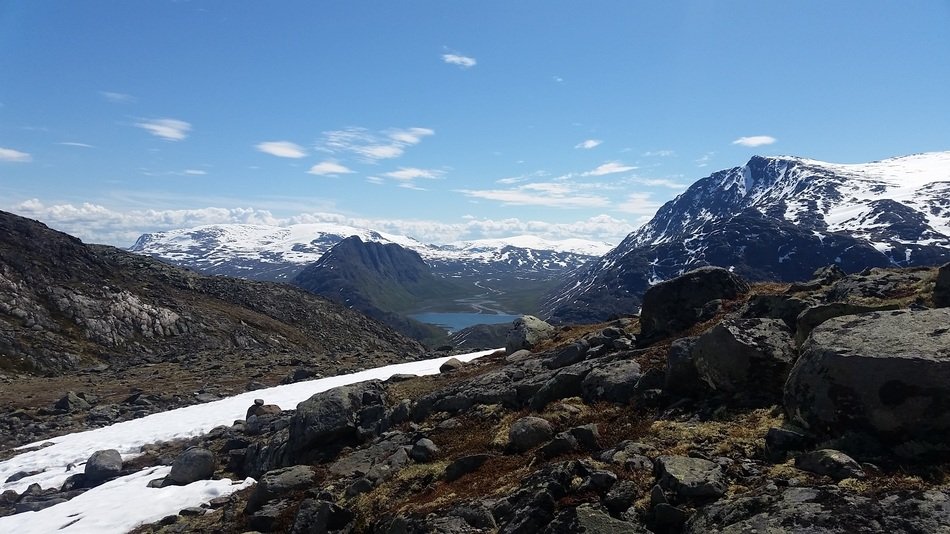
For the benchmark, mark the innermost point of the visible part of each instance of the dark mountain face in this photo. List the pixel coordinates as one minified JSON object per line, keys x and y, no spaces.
{"x":382,"y":281}
{"x":774,"y":219}
{"x":65,"y":305}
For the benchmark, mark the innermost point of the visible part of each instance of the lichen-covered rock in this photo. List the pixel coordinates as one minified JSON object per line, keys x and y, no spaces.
{"x":528,"y":432}
{"x":883,"y":374}
{"x":691,"y":477}
{"x":942,"y":287}
{"x":614,"y":381}
{"x":677,"y":304}
{"x":192,"y":465}
{"x":813,"y":316}
{"x":835,"y":464}
{"x":526,"y":331}
{"x":103,"y":465}
{"x":737,"y":353}
{"x":278,"y":482}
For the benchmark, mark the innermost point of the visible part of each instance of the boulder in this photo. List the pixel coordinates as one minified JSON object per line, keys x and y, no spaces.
{"x":526,"y":331}
{"x":279,"y":482}
{"x":942,"y":287}
{"x":569,"y":355}
{"x":194,"y":464}
{"x":784,"y":307}
{"x":321,"y":516}
{"x":882,"y":374}
{"x":464,"y":465}
{"x":528,"y":432}
{"x":740,"y":352}
{"x":677,"y":304}
{"x":587,"y":518}
{"x":71,"y":402}
{"x":519,"y":356}
{"x":333,"y":419}
{"x":424,"y":451}
{"x":450,"y":365}
{"x":681,"y":376}
{"x":103,"y":465}
{"x":813,"y":316}
{"x":614,"y":381}
{"x":835,"y":464}
{"x":691,"y":477}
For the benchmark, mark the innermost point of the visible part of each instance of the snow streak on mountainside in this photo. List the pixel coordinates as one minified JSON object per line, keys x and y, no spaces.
{"x":776,"y":218}
{"x":279,"y":253}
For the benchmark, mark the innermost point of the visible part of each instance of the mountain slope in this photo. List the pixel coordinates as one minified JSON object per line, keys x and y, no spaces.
{"x":65,"y":305}
{"x":776,"y":218}
{"x":381,"y":280}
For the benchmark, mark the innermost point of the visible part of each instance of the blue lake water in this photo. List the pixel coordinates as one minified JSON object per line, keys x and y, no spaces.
{"x":455,"y":321}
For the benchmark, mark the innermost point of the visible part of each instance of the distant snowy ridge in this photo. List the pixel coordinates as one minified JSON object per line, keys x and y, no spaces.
{"x":279,"y":252}
{"x":775,"y":218}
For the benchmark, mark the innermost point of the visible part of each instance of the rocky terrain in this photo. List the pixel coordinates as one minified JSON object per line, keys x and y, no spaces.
{"x":135,"y":335}
{"x":725,"y":406}
{"x":778,"y":219}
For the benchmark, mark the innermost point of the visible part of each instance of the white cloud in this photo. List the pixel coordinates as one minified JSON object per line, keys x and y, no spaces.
{"x":557,"y":79}
{"x":703,"y":161}
{"x":659,"y":153}
{"x":281,"y":149}
{"x":73,"y":143}
{"x":550,"y":194}
{"x":410,"y":185}
{"x":329,"y":168}
{"x":755,"y":140}
{"x":411,"y":173}
{"x":14,"y":156}
{"x":168,"y":129}
{"x":371,"y":146}
{"x":195,"y":172}
{"x":661,"y":182}
{"x":462,"y":61}
{"x":375,"y":180}
{"x":611,"y":167}
{"x":117,"y":98}
{"x":588,"y":144}
{"x":639,"y":204}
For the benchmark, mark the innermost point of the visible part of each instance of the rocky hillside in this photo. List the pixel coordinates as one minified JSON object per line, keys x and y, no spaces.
{"x":383,"y":281}
{"x":725,"y":406}
{"x":775,"y":218}
{"x":66,"y":306}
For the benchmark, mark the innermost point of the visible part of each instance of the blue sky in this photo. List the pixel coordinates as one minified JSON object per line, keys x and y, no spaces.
{"x":443,"y":119}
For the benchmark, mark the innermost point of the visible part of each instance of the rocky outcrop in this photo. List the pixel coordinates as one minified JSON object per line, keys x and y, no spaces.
{"x":736,"y":354}
{"x":677,"y":304}
{"x":941,"y":294}
{"x":882,"y":374}
{"x":526,"y":331}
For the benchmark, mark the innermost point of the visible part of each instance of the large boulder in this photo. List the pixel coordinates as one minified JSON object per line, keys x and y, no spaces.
{"x":614,"y":381}
{"x":526,"y":331}
{"x":677,"y":304}
{"x":942,"y":287}
{"x":335,"y":418}
{"x":883,"y":374}
{"x":681,"y":376}
{"x":691,"y":477}
{"x":192,"y":465}
{"x":279,"y":482}
{"x":739,"y":352}
{"x":103,"y":465}
{"x":529,"y":432}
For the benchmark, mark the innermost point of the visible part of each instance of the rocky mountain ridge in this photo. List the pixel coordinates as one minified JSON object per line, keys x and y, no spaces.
{"x":775,"y":218}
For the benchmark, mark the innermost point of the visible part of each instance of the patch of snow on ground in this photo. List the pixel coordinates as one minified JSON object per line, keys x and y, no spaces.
{"x":127,"y":437}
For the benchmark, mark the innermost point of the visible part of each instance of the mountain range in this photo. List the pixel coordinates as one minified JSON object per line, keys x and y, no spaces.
{"x":775,"y":218}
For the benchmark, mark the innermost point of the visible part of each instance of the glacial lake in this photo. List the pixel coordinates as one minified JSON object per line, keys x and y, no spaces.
{"x":455,"y":321}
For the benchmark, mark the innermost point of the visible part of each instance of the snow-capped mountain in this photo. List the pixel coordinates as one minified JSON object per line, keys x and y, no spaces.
{"x":776,"y":218}
{"x":279,"y":253}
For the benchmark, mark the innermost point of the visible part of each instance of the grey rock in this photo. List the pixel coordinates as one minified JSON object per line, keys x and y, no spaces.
{"x":192,"y":465}
{"x":450,"y":365}
{"x":267,"y":518}
{"x":882,"y":374}
{"x":691,"y":477}
{"x":464,"y":465}
{"x":562,"y":443}
{"x":569,"y":355}
{"x":779,"y":442}
{"x":835,"y":464}
{"x":103,"y":465}
{"x":784,"y":307}
{"x":424,"y":451}
{"x":319,"y":517}
{"x":71,"y":402}
{"x":614,"y":381}
{"x":587,"y":436}
{"x":527,"y":331}
{"x":681,"y":376}
{"x":815,"y":315}
{"x":621,"y":497}
{"x":565,"y":383}
{"x":675,"y":305}
{"x":588,"y":518}
{"x":276,"y":483}
{"x":528,"y":432}
{"x":519,"y":356}
{"x":36,"y":506}
{"x":737,"y":353}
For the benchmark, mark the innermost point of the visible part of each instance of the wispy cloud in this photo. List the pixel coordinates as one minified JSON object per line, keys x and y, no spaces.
{"x":465,"y":62}
{"x":329,"y":168}
{"x":168,"y":129}
{"x":659,"y":153}
{"x":375,"y":180}
{"x":639,"y":204}
{"x":549,"y":194}
{"x":703,"y":161}
{"x":661,"y":182}
{"x":410,"y":185}
{"x":281,"y":149}
{"x":611,"y":167}
{"x":373,"y":146}
{"x":588,"y":144}
{"x":522,"y":178}
{"x":73,"y":143}
{"x":14,"y":156}
{"x":411,"y":173}
{"x":755,"y":140}
{"x":195,"y":172}
{"x":117,"y":98}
